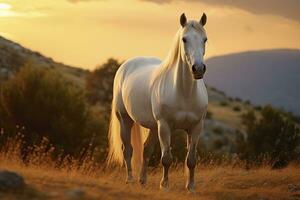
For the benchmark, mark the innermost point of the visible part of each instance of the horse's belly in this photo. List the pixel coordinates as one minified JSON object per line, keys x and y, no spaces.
{"x":136,"y":98}
{"x":140,"y":111}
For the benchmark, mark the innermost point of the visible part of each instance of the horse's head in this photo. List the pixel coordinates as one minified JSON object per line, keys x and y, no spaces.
{"x":193,"y":38}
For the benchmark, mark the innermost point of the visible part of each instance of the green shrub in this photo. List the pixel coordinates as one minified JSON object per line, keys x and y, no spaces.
{"x":238,"y":99}
{"x":224,"y":103}
{"x":218,"y":130}
{"x":258,"y":108}
{"x":46,"y":105}
{"x":272,"y":135}
{"x":208,"y":115}
{"x":247,"y":102}
{"x":237,"y":108}
{"x":218,"y":144}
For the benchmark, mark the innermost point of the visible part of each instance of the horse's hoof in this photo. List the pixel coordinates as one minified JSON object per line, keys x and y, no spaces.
{"x":164,"y":186}
{"x":191,"y":188}
{"x":129,"y":180}
{"x":142,"y":182}
{"x":191,"y":191}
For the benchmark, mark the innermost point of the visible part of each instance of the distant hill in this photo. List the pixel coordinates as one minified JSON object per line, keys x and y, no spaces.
{"x":263,"y":77}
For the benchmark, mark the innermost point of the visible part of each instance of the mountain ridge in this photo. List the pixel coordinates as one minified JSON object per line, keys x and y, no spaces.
{"x":263,"y":77}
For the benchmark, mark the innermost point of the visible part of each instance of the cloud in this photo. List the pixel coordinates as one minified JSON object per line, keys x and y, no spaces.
{"x":289,"y":8}
{"x":27,"y":11}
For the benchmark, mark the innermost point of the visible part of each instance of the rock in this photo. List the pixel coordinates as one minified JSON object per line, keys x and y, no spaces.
{"x":11,"y":181}
{"x":76,"y":193}
{"x":293,"y":188}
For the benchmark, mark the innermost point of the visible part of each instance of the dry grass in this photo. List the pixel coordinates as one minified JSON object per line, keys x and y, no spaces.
{"x":213,"y":183}
{"x":48,"y":181}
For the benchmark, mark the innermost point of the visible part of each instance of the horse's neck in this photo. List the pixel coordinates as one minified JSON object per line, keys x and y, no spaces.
{"x":182,"y":78}
{"x":178,"y":72}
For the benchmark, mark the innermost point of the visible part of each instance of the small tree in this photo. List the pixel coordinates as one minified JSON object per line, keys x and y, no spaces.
{"x":99,"y":83}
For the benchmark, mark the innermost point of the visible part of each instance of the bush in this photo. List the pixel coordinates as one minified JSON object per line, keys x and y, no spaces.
{"x":258,"y":108}
{"x":218,"y":130}
{"x":237,"y":108}
{"x":224,"y":103}
{"x":218,"y":144}
{"x":272,"y":135}
{"x":247,"y":102}
{"x":230,"y":99}
{"x":99,"y":83}
{"x":208,"y":115}
{"x":238,"y":99}
{"x":46,"y":105}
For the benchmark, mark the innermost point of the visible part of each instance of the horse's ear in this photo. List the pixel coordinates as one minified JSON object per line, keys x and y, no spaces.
{"x":183,"y":20}
{"x":203,"y":19}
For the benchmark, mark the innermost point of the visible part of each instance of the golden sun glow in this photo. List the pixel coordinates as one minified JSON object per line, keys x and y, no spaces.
{"x":5,"y":6}
{"x":5,"y":10}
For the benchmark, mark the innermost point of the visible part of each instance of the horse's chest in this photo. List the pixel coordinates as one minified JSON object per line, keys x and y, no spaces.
{"x":185,"y":118}
{"x":182,"y":116}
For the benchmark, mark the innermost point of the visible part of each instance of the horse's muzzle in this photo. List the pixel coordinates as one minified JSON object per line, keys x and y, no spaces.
{"x":198,"y":71}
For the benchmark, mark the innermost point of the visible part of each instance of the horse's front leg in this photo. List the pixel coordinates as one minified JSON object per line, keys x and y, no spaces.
{"x":164,"y":134}
{"x":192,"y":142}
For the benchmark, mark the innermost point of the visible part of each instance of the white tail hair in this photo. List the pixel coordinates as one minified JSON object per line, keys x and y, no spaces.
{"x":115,"y":153}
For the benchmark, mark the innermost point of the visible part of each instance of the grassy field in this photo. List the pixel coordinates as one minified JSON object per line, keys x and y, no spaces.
{"x":212,"y":183}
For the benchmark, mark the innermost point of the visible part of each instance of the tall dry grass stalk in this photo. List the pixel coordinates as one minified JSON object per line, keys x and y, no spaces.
{"x":44,"y":156}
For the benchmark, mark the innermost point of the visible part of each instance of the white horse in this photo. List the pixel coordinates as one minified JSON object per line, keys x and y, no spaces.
{"x":160,"y":97}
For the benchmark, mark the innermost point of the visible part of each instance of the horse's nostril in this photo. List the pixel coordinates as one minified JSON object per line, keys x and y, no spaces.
{"x":194,"y":68}
{"x":204,"y":67}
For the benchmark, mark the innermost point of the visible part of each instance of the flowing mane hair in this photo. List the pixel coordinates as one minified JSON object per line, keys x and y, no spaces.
{"x":172,"y":57}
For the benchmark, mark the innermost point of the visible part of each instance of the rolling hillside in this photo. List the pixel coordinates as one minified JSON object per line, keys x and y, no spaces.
{"x":14,"y":56}
{"x":263,"y":77}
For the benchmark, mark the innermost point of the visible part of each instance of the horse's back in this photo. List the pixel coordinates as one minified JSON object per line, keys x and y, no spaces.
{"x":137,"y":63}
{"x":132,"y":88}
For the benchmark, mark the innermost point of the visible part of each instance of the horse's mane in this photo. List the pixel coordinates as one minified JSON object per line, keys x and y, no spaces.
{"x":171,"y":59}
{"x":173,"y":54}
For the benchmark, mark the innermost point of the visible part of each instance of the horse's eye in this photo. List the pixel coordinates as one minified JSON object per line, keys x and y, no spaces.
{"x":184,"y":40}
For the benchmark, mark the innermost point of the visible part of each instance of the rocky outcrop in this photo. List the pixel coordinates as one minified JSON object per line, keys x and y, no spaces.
{"x":11,"y":181}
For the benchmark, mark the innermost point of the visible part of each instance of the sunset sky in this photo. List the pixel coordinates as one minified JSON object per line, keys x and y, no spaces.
{"x":85,"y":33}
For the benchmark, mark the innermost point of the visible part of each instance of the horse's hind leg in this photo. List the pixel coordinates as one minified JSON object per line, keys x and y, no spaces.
{"x":149,"y":147}
{"x":126,"y":124}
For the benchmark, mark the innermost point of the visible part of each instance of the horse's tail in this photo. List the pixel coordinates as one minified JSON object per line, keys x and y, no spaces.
{"x":115,"y":153}
{"x":138,"y":135}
